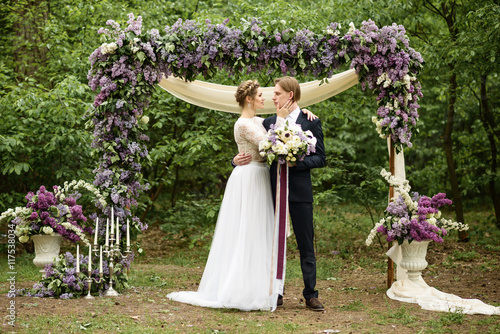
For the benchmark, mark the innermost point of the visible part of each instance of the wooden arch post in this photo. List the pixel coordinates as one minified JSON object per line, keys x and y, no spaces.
{"x":390,"y":263}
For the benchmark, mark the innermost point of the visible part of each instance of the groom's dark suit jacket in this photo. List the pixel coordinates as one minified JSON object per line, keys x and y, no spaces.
{"x":300,"y":187}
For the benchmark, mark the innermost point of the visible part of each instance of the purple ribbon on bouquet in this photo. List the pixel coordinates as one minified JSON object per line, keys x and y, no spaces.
{"x":282,"y":216}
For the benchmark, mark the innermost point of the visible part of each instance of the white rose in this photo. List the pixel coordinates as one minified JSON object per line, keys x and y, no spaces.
{"x":24,"y":239}
{"x":145,"y":119}
{"x":134,"y":49}
{"x":329,"y":31}
{"x":66,"y":225}
{"x":136,"y":40}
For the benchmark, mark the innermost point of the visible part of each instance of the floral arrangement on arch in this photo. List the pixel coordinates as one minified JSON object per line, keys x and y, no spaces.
{"x":382,"y":57}
{"x":287,"y":143}
{"x":413,"y":217}
{"x":125,"y":70}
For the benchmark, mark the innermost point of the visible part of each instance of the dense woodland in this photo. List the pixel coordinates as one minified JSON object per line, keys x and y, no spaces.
{"x":44,"y":97}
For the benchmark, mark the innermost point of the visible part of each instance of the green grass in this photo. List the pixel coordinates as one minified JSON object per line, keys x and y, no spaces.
{"x":341,"y":251}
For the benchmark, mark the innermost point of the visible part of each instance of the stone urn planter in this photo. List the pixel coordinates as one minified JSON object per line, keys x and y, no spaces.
{"x":46,"y":248}
{"x":413,"y":258}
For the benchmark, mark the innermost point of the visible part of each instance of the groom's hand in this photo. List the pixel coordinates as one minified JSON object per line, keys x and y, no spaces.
{"x":242,"y":159}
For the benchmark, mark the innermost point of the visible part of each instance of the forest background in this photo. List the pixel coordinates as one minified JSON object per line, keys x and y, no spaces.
{"x":44,"y":96}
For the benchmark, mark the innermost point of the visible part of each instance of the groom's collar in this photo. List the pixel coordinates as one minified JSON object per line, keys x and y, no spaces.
{"x":294,"y":115}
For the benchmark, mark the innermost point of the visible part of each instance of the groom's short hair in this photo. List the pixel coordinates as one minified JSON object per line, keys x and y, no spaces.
{"x":289,"y":84}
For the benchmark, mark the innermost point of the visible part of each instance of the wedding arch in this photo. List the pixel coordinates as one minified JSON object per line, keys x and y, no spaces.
{"x":127,"y":66}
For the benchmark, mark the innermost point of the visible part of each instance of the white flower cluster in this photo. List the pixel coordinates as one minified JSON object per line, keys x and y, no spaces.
{"x":385,"y":79}
{"x":335,"y":32}
{"x":373,"y":232}
{"x":402,"y":188}
{"x":80,"y":184}
{"x":133,"y":45}
{"x":378,"y":124}
{"x":351,"y":28}
{"x":451,"y":225}
{"x":108,"y":48}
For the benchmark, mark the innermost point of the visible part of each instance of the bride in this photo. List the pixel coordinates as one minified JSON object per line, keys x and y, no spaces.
{"x":239,"y":270}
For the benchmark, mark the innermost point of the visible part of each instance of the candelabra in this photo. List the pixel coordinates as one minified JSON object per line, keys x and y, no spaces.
{"x":89,"y":278}
{"x":113,"y":251}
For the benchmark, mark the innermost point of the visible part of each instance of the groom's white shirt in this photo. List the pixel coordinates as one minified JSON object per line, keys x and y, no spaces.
{"x":292,"y":117}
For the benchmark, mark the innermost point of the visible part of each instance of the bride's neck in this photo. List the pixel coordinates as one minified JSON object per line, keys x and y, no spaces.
{"x":247,"y":112}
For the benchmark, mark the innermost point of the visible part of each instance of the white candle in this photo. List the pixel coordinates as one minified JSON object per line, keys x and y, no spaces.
{"x":77,"y":258}
{"x":112,"y":220}
{"x":117,"y":232}
{"x":128,"y":234}
{"x":96,"y":229}
{"x":100,"y":259}
{"x":107,"y":232}
{"x":90,"y":259}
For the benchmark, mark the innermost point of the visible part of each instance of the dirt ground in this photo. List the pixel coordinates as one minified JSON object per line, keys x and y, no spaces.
{"x":355,"y":299}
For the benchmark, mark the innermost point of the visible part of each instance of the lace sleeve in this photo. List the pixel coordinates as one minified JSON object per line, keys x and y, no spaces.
{"x":252,"y":132}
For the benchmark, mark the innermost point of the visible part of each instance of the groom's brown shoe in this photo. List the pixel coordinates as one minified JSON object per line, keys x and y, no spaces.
{"x":314,"y":304}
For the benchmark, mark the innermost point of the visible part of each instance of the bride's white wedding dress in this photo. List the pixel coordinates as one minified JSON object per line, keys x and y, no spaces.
{"x":240,"y":272}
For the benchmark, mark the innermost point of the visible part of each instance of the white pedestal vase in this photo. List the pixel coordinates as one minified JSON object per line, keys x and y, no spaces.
{"x":413,"y":258}
{"x":46,"y":248}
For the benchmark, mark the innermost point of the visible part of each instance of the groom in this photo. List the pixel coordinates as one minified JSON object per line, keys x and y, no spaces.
{"x":300,"y":187}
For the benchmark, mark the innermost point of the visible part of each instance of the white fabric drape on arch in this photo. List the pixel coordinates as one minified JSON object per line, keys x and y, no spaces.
{"x":221,"y":97}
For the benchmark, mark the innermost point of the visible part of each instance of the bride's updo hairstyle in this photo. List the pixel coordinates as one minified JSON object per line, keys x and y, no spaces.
{"x":246,"y":88}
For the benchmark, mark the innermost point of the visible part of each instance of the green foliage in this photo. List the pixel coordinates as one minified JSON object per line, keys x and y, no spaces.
{"x":43,"y":98}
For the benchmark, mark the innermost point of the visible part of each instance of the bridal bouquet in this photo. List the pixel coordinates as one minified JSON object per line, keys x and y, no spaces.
{"x":287,"y":144}
{"x":413,"y":217}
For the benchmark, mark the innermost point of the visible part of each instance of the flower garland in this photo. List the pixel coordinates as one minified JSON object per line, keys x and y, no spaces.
{"x":413,"y":217}
{"x":129,"y":63}
{"x":124,"y":67}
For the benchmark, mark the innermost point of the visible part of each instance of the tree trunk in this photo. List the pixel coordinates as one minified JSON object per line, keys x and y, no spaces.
{"x":487,"y":119}
{"x":30,"y":53}
{"x":448,"y":12}
{"x":448,"y":148}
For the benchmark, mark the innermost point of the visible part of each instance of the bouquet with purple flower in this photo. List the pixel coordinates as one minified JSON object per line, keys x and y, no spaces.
{"x":413,"y":217}
{"x":287,"y":144}
{"x":50,"y":213}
